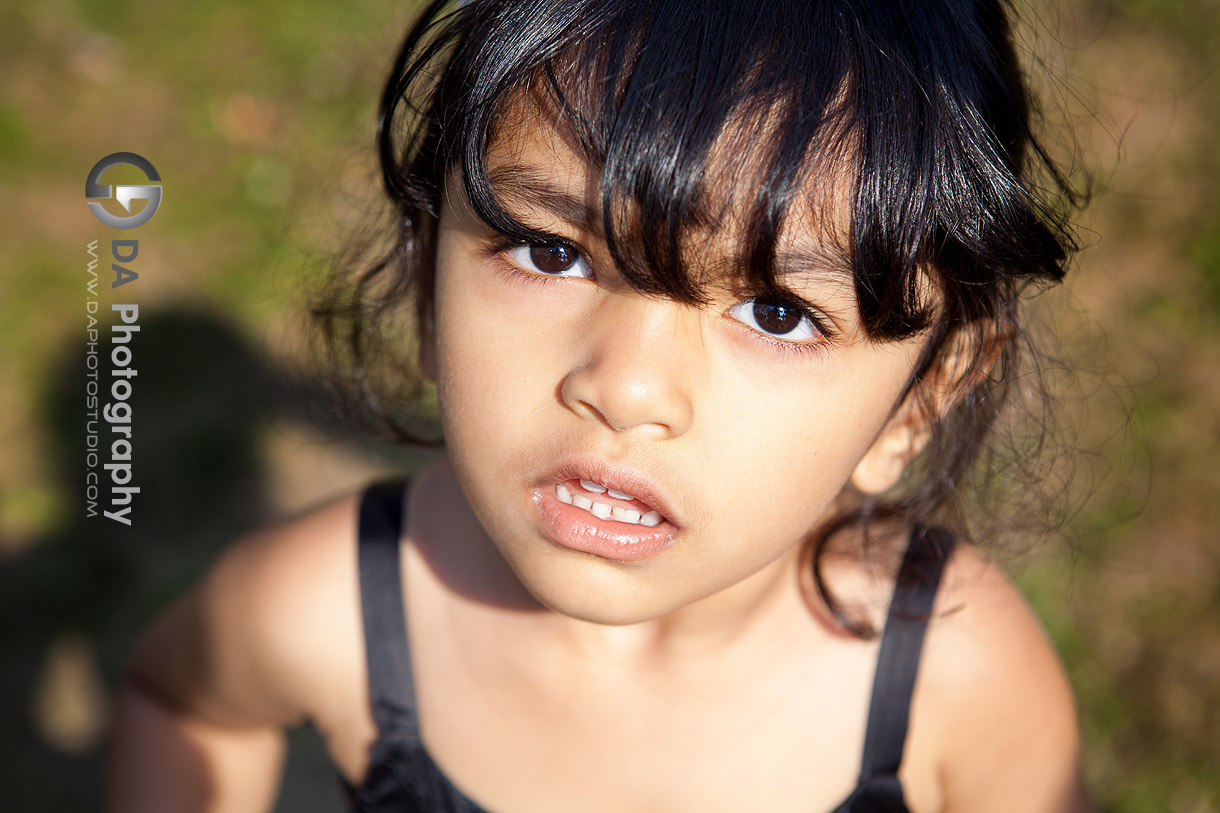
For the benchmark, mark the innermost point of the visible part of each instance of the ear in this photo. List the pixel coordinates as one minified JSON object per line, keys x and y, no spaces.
{"x":903,"y":437}
{"x":961,"y":362}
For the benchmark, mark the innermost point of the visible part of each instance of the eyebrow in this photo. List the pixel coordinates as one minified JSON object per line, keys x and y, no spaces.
{"x":532,"y":188}
{"x":822,"y":261}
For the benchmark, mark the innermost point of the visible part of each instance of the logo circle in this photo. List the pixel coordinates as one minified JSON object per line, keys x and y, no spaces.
{"x":95,"y":191}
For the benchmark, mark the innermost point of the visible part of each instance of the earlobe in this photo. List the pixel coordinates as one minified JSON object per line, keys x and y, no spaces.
{"x":883,"y":464}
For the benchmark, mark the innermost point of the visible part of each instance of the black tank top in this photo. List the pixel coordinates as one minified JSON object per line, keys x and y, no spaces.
{"x":402,"y":778}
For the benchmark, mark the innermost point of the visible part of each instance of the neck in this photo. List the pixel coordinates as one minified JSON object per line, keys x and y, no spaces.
{"x":766,"y":606}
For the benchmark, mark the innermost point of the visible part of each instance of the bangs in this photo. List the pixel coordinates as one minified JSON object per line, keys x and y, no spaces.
{"x":751,"y":116}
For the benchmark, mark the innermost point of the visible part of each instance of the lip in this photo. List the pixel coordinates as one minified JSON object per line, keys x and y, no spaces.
{"x":577,"y":529}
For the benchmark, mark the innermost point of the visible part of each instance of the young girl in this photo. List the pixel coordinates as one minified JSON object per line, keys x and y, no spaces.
{"x":720,"y":300}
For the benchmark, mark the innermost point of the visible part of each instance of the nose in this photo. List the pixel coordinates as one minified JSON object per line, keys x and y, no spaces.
{"x":635,"y":369}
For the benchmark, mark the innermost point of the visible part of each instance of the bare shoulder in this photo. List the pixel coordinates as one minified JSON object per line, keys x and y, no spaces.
{"x":272,"y":635}
{"x":995,"y":698}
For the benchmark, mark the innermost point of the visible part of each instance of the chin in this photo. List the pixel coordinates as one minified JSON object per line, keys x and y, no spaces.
{"x":621,"y":616}
{"x":594,"y":591}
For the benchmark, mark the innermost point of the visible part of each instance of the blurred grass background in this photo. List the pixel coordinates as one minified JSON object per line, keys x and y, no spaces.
{"x":259,"y":116}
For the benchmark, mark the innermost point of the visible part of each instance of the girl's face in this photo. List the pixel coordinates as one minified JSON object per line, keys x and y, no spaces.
{"x":711,"y":439}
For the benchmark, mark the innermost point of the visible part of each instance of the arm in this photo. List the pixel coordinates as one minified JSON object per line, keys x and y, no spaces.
{"x":1010,"y":742}
{"x":269,"y":639}
{"x":167,"y":760}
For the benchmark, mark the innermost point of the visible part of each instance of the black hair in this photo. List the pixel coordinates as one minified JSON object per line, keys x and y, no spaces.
{"x":955,"y":208}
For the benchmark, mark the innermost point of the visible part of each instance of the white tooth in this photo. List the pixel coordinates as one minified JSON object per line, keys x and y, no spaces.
{"x":588,"y":485}
{"x":651,"y":519}
{"x":620,"y":495}
{"x":626,"y":515}
{"x":581,"y":501}
{"x":561,"y":491}
{"x":601,"y":510}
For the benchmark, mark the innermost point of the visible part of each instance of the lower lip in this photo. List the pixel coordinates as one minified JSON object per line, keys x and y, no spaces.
{"x":576,"y":529}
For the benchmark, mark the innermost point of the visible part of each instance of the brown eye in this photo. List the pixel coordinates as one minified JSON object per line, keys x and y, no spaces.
{"x":549,"y":259}
{"x":778,"y":319}
{"x":553,"y":259}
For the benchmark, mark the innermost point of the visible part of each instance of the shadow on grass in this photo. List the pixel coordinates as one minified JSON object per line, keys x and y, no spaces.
{"x":73,"y":604}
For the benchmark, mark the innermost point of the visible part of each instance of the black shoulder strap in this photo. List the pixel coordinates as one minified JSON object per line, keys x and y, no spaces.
{"x":901,"y":643}
{"x":391,"y":686}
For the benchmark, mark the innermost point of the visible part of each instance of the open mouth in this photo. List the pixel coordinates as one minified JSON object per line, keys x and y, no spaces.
{"x":589,"y":507}
{"x":607,"y":503}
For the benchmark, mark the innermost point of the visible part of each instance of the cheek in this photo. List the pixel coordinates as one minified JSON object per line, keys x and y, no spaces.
{"x":794,"y":444}
{"x":497,"y":356}
{"x":473,"y":381}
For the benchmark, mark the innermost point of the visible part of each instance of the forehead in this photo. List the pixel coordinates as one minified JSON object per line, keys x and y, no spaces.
{"x":539,"y":166}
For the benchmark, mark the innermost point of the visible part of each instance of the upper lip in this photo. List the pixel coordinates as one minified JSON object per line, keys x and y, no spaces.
{"x":616,"y":476}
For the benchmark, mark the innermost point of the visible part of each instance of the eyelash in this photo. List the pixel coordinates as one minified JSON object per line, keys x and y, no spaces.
{"x":499,"y":246}
{"x":804,"y":348}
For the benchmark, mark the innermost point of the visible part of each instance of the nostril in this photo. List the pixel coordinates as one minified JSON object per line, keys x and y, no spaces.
{"x":593,"y":412}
